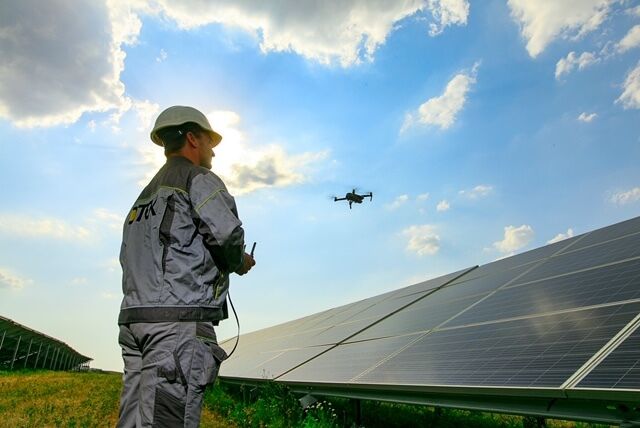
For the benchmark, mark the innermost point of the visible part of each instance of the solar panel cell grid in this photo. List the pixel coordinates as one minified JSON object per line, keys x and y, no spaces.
{"x":426,"y":313}
{"x":534,"y":352}
{"x":610,"y":232}
{"x":620,"y":249}
{"x":620,"y":369}
{"x":613,"y":283}
{"x":345,"y":361}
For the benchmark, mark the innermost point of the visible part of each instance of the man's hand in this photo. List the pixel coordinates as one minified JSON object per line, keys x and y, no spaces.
{"x":247,"y":264}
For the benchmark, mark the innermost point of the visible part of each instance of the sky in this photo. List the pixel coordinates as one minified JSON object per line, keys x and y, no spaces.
{"x":483,"y":129}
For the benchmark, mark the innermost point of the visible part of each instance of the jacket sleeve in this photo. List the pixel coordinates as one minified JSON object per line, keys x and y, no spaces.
{"x":216,"y":217}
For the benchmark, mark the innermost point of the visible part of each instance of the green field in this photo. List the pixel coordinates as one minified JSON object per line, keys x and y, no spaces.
{"x":90,"y":399}
{"x":67,"y":399}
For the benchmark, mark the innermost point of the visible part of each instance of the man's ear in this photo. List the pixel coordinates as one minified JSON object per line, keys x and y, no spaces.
{"x":192,"y":140}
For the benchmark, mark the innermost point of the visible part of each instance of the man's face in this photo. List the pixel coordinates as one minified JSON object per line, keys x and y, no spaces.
{"x":205,"y":150}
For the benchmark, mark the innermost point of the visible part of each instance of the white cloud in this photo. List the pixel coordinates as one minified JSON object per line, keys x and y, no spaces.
{"x":61,"y":58}
{"x":587,"y":117}
{"x":561,"y":236}
{"x":398,"y":202}
{"x":480,"y":191}
{"x":626,"y":197}
{"x":568,"y":64}
{"x":443,"y":206}
{"x":442,"y":111}
{"x":162,"y":56}
{"x":423,"y":239}
{"x":630,"y":97}
{"x":42,"y":227}
{"x":630,"y":40}
{"x":422,"y":196}
{"x":104,"y":217}
{"x":10,"y":280}
{"x":146,"y":112}
{"x":270,"y":167}
{"x":326,"y":32}
{"x":514,"y":238}
{"x":244,"y":169}
{"x":108,"y":295}
{"x":447,"y":12}
{"x":542,"y":21}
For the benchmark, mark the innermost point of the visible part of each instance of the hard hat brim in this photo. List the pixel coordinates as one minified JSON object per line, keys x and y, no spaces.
{"x":215,"y":137}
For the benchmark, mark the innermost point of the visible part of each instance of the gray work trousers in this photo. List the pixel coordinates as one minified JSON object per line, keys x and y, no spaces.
{"x":167,"y":366}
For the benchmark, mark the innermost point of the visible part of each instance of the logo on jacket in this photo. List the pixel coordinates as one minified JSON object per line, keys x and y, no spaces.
{"x":141,"y":211}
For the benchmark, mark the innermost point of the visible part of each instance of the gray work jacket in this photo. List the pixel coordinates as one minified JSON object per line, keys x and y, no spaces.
{"x":181,"y":240}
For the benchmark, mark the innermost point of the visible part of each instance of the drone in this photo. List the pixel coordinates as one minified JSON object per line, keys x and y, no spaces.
{"x":354,"y":197}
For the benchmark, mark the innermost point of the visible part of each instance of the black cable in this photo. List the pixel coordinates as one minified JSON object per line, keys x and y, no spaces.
{"x":253,"y":248}
{"x":237,"y":321}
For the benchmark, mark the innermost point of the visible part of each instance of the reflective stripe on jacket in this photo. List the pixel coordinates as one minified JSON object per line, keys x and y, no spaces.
{"x":181,"y":240}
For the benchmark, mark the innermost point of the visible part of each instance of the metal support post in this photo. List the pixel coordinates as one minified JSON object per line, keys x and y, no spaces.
{"x":26,"y":358}
{"x":55,"y":358}
{"x":46,"y":354}
{"x":357,"y":411}
{"x":15,"y":352}
{"x":60,"y":359}
{"x":35,"y":366}
{"x":2,"y":341}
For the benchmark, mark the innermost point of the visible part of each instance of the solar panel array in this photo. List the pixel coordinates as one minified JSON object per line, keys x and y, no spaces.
{"x":22,"y":347}
{"x":561,"y":316}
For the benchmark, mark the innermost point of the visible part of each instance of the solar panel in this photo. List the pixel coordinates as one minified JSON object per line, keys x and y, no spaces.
{"x":615,"y":231}
{"x":438,"y":307}
{"x":267,"y":364}
{"x":274,"y":351}
{"x":347,"y":360}
{"x":541,"y":351}
{"x":620,"y":369}
{"x":624,"y":248}
{"x":612,"y":283}
{"x":551,"y":319}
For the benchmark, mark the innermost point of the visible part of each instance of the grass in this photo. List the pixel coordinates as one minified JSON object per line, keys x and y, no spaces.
{"x":58,"y":399}
{"x":68,"y":399}
{"x":90,"y":399}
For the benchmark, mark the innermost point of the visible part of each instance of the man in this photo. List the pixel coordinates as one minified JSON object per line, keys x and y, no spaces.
{"x":181,"y":241}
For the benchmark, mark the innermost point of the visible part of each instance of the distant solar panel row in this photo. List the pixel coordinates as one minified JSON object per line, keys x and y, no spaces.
{"x":546,"y":318}
{"x":22,"y":347}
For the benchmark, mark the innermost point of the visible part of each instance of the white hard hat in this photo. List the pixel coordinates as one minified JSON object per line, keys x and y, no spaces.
{"x":177,"y":115}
